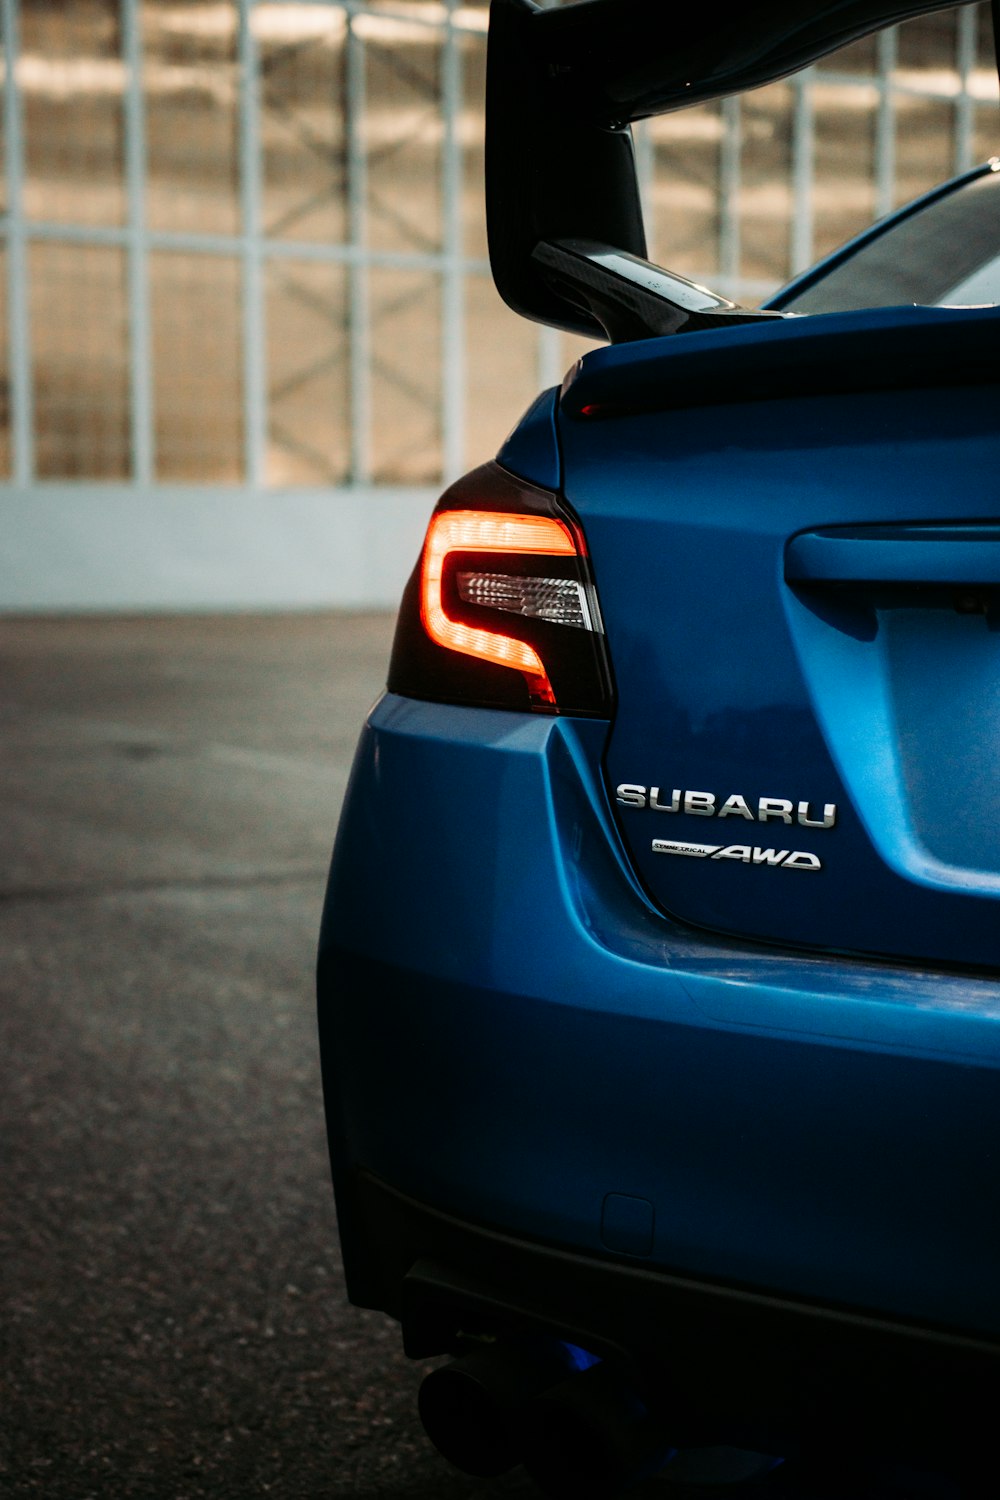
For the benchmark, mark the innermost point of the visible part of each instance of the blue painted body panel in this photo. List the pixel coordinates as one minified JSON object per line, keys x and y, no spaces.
{"x":531,"y":450}
{"x":732,"y":680}
{"x":513,"y":1034}
{"x":843,"y":353}
{"x":958,"y":555}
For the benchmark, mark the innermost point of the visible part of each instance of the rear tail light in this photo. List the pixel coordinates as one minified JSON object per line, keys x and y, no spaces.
{"x":501,"y":610}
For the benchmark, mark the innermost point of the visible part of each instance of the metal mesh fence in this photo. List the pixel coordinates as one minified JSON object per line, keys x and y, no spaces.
{"x":243,"y":242}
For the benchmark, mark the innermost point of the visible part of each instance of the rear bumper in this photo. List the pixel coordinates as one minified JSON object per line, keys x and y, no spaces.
{"x":727,"y":1364}
{"x":513,"y":1037}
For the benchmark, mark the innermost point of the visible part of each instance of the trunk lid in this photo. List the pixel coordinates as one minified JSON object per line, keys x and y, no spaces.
{"x":798,"y":562}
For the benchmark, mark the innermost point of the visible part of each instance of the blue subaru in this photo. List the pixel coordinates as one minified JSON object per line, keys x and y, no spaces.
{"x":658,"y":989}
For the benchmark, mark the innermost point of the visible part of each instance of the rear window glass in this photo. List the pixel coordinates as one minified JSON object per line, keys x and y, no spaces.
{"x":945,"y":254}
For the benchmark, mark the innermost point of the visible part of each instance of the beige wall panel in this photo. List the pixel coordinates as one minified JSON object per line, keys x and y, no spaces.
{"x":191,"y":88}
{"x":302,"y":121}
{"x":80,"y":348}
{"x":404,"y":131}
{"x":406,"y":377}
{"x":72,"y":82}
{"x":197,"y":376}
{"x":308,"y":362}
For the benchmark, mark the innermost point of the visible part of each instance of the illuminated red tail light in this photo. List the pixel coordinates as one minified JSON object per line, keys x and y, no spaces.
{"x":509,"y":536}
{"x":501,"y":610}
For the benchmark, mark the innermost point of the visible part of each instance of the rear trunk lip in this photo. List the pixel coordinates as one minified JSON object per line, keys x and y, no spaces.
{"x":895,"y":348}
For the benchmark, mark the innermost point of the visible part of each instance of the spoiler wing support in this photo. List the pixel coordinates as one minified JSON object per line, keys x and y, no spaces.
{"x":562,"y":89}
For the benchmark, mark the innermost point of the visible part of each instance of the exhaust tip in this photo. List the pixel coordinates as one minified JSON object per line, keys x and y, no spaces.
{"x":590,"y":1438}
{"x":468,"y":1408}
{"x":463,"y":1422}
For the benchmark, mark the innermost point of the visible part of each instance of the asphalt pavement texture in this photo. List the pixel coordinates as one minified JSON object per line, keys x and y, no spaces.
{"x":173,"y":1321}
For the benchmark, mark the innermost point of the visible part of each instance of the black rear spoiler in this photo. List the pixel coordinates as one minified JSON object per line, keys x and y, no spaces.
{"x":562,"y":89}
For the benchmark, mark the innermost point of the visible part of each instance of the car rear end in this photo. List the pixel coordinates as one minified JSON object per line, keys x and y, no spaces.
{"x":668,"y":1025}
{"x":659,"y":1006}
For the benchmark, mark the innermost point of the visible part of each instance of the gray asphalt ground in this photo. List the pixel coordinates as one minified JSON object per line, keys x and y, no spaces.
{"x":173,"y":1322}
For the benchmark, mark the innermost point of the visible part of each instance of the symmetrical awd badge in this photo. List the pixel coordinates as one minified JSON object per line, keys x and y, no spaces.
{"x":788,"y":859}
{"x":709,"y":805}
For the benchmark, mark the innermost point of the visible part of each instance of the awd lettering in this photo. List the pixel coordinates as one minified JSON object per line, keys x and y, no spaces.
{"x":747,"y":854}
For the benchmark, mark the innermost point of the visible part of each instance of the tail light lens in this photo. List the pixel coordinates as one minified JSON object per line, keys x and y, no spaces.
{"x":501,"y":610}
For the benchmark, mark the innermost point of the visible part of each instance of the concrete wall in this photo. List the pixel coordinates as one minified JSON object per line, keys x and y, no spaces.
{"x":69,"y":548}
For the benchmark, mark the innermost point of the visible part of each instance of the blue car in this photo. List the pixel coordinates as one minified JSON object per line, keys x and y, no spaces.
{"x":658,"y":991}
